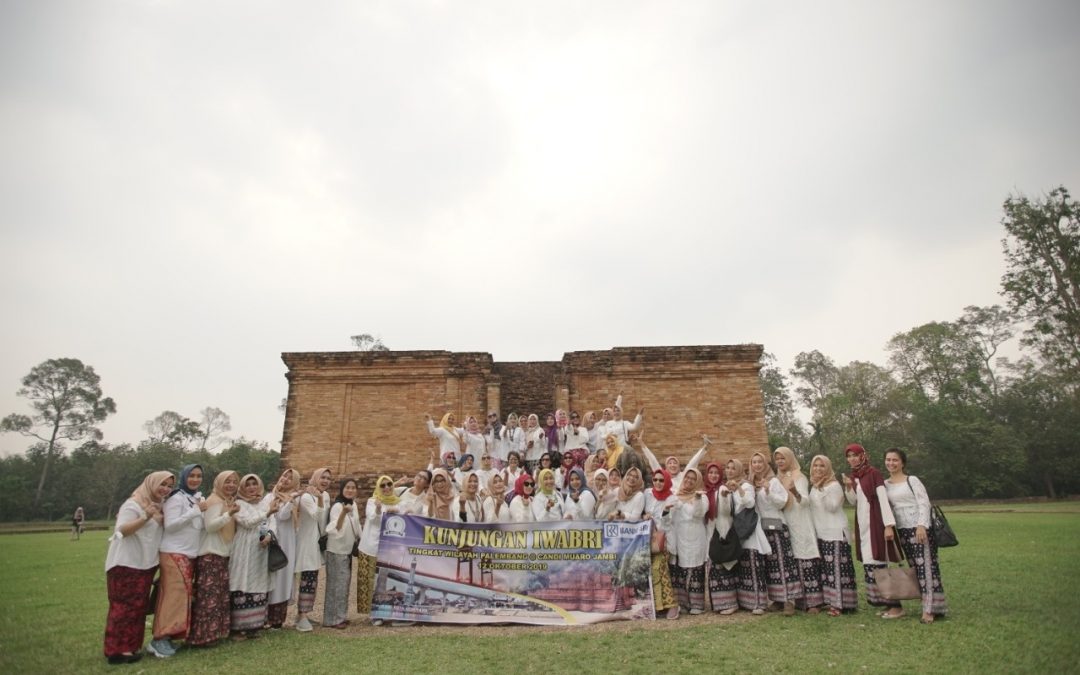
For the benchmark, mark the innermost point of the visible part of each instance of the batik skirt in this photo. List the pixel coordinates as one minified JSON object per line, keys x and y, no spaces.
{"x":782,"y":569}
{"x":172,"y":616}
{"x":924,"y":558}
{"x":873,"y":595}
{"x":752,"y":592}
{"x":723,"y":587}
{"x":210,"y":607}
{"x":838,"y":575}
{"x":365,"y":582}
{"x":276,"y":613}
{"x":689,"y":585}
{"x":309,"y":582}
{"x":129,"y":601}
{"x":663,"y":593}
{"x":336,"y":594}
{"x":248,"y":610}
{"x":810,"y":580}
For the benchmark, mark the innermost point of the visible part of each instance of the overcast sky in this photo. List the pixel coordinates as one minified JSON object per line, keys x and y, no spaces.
{"x":189,"y":189}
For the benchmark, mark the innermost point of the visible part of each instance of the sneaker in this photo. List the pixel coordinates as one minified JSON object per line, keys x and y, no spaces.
{"x":304,"y":626}
{"x":758,"y":612}
{"x":376,"y":622}
{"x":162,"y":649}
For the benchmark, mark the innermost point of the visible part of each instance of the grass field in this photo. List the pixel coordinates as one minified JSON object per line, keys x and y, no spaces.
{"x":1011,"y":588}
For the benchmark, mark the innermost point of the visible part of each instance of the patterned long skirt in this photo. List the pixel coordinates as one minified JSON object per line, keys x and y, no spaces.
{"x":923,"y":557}
{"x":129,"y":601}
{"x":309,"y":581}
{"x":752,"y":592}
{"x":210,"y":608}
{"x":838,"y":575}
{"x":810,"y":580}
{"x":336,"y":595}
{"x":276,"y":613}
{"x":172,"y":616}
{"x":689,"y":585}
{"x":365,"y":582}
{"x":248,"y":610}
{"x":723,"y":587}
{"x":873,"y":595}
{"x":781,"y":569}
{"x":663,"y":593}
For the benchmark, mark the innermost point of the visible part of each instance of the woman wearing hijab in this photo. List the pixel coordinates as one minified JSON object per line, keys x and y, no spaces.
{"x":210,"y":605}
{"x":383,"y":500}
{"x":462,"y":472}
{"x":475,"y":442}
{"x":548,"y":504}
{"x":249,"y":579}
{"x":874,"y":525}
{"x":658,"y":503}
{"x":671,"y":463}
{"x":535,"y":443}
{"x":440,"y":494}
{"x":691,"y":545}
{"x":753,"y":593}
{"x":77,"y":521}
{"x":285,"y":525}
{"x":511,"y":439}
{"x":179,"y":547}
{"x":521,"y":506}
{"x":130,"y":565}
{"x":605,"y":495}
{"x":801,"y":526}
{"x":496,"y":510}
{"x":782,"y":570}
{"x":562,"y":472}
{"x":831,"y":527}
{"x":579,"y":502}
{"x":342,"y":533}
{"x":723,"y":577}
{"x":467,"y":506}
{"x":630,"y":500}
{"x":911,"y":505}
{"x":451,"y":439}
{"x":551,"y":433}
{"x":313,"y":507}
{"x":493,"y":440}
{"x":614,"y":449}
{"x":574,"y":440}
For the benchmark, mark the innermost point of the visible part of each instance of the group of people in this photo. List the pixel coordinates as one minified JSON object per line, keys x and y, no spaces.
{"x":211,"y":555}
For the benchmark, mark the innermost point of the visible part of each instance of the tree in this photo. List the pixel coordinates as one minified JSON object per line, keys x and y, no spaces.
{"x":1042,"y":282}
{"x":172,"y":428}
{"x":365,"y":342}
{"x":782,"y":424}
{"x":214,"y":423}
{"x":68,"y":403}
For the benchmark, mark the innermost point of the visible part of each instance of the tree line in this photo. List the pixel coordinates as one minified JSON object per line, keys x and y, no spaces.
{"x":974,"y":424}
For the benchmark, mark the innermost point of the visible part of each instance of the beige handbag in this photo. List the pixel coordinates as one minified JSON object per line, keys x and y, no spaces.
{"x":897,"y":583}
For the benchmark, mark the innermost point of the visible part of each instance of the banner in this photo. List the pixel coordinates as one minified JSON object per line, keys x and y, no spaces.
{"x":557,"y":573}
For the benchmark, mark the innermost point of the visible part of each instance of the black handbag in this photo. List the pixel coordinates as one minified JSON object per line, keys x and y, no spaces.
{"x":727,"y":548}
{"x":275,"y":556}
{"x":943,"y":532}
{"x":745,"y":522}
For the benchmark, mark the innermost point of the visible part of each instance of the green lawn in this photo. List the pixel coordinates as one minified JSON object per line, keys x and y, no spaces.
{"x":1009,"y":586}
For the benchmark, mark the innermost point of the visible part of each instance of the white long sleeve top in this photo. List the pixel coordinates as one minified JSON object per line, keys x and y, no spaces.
{"x":633,"y":508}
{"x":573,"y":437}
{"x":827,"y":510}
{"x":862,"y":514}
{"x":490,"y":516}
{"x":748,"y":500}
{"x":541,"y":510}
{"x":474,"y":509}
{"x":724,"y":520}
{"x":520,"y":512}
{"x":215,"y":517}
{"x":475,"y":445}
{"x":770,"y":502}
{"x":412,"y":503}
{"x":800,"y":522}
{"x":138,"y":550}
{"x":247,"y":564}
{"x":312,"y":524}
{"x":340,"y":540}
{"x":448,"y":442}
{"x":621,"y":428}
{"x":688,"y":520}
{"x":512,"y":440}
{"x":539,"y":444}
{"x":582,"y":509}
{"x":910,"y":503}
{"x":373,"y":512}
{"x":183,"y":524}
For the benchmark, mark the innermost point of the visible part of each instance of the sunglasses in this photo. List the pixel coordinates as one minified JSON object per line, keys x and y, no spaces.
{"x":658,"y":479}
{"x":440,"y":479}
{"x":385,"y":485}
{"x":529,"y":484}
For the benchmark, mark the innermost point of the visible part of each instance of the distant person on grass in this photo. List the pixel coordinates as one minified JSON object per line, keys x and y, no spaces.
{"x":130,"y":565}
{"x":77,"y":521}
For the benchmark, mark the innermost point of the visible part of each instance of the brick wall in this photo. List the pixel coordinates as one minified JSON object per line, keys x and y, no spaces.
{"x":361,"y":413}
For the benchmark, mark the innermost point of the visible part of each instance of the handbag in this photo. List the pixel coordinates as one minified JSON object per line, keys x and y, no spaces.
{"x":944,"y":536}
{"x":275,"y":556}
{"x":727,"y":548}
{"x":657,"y":540}
{"x":745,"y":522}
{"x":897,"y":583}
{"x":772,"y":524}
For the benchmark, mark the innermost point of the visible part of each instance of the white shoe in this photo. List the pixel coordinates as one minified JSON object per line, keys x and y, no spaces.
{"x":160,"y":648}
{"x":304,"y":626}
{"x":695,"y":611}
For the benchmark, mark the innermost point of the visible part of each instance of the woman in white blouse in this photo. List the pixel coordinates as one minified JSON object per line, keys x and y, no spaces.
{"x":658,"y":503}
{"x":831,"y":527}
{"x":875,"y":533}
{"x":548,"y":504}
{"x":210,"y":606}
{"x":496,"y":510}
{"x":179,"y":547}
{"x":911,"y":506}
{"x":723,"y":577}
{"x":511,"y":439}
{"x":383,"y":500}
{"x":314,"y":506}
{"x":605,"y":494}
{"x":691,"y":544}
{"x":535,"y":443}
{"x":801,"y":527}
{"x":249,"y":579}
{"x":629,"y":500}
{"x":451,"y":439}
{"x":770,"y":499}
{"x":524,"y":496}
{"x":342,"y":533}
{"x":130,"y":565}
{"x":753,"y":591}
{"x":579,"y":501}
{"x":467,"y":506}
{"x":285,"y":525}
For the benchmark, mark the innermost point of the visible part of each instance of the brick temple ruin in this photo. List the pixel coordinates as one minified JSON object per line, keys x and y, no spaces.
{"x":362,"y":413}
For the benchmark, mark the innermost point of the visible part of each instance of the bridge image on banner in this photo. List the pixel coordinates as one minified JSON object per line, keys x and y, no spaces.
{"x":555,"y":573}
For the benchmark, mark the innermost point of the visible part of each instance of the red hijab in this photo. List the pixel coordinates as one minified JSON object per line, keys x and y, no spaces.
{"x":519,"y":485}
{"x":666,"y":492}
{"x":870,"y":479}
{"x":711,"y":487}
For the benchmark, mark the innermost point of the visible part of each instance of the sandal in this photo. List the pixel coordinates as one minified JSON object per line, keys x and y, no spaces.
{"x":890,"y":615}
{"x":927,"y":618}
{"x":834,"y":611}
